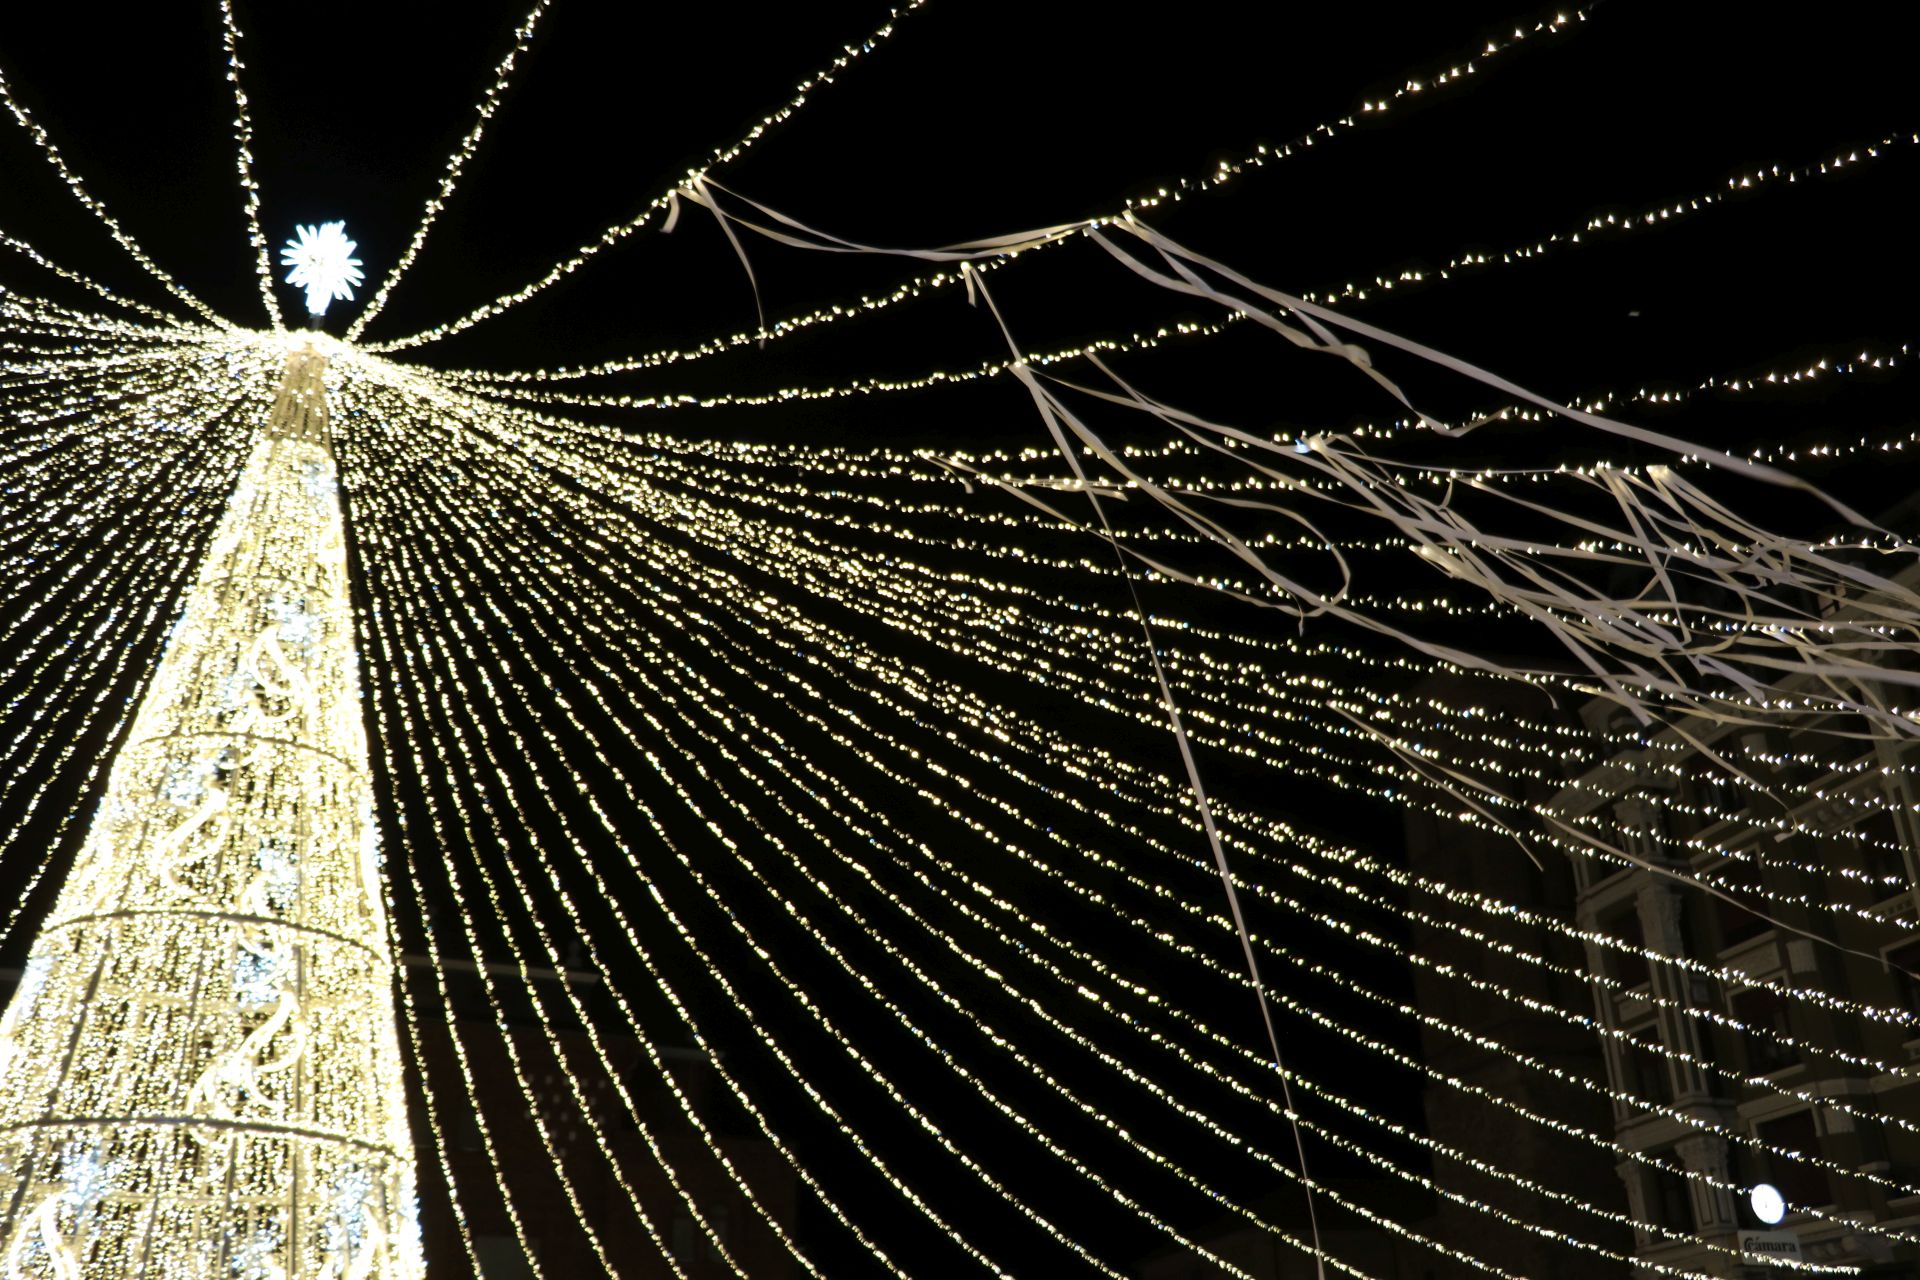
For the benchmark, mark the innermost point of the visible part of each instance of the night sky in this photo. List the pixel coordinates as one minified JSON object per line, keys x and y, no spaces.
{"x":988,"y":117}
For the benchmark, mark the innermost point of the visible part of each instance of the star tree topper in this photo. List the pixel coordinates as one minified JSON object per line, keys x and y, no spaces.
{"x":323,"y":264}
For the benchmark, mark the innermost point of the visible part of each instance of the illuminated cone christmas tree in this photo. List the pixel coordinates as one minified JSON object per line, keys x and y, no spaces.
{"x":200,"y":1073}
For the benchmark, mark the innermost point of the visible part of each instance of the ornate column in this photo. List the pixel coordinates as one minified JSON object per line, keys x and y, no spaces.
{"x":1713,"y":1207}
{"x":199,"y":1073}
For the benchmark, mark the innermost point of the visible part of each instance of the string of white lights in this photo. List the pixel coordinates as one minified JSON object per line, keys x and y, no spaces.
{"x":414,"y":1023}
{"x":721,"y":157}
{"x":410,"y":1019}
{"x":859,"y":387}
{"x":53,"y":157}
{"x":890,"y":464}
{"x":921,"y":593}
{"x":747,"y":814}
{"x":39,"y":259}
{"x":1458,"y":70}
{"x":522,"y":751}
{"x":899,"y":816}
{"x":867,"y":838}
{"x":97,"y":622}
{"x":456,"y":164}
{"x":466,"y":836}
{"x":1458,"y":265}
{"x":1603,"y":225}
{"x":639,"y":1031}
{"x":243,"y":162}
{"x":501,"y":914}
{"x":492,"y":893}
{"x":76,"y":334}
{"x":773,"y":757}
{"x":1594,"y":629}
{"x":739,"y":1095}
{"x":782,"y":549}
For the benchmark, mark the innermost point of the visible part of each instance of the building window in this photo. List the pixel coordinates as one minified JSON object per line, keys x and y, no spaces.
{"x":1737,"y":877}
{"x":1801,"y":1183}
{"x":1718,"y":797}
{"x":1879,"y":854}
{"x":1764,"y":1017}
{"x":1669,"y":1199}
{"x":1643,"y":1070}
{"x":1626,"y":964}
{"x":1904,"y":960}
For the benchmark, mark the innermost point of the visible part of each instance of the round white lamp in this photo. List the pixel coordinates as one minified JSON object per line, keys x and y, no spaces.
{"x":1768,"y":1204}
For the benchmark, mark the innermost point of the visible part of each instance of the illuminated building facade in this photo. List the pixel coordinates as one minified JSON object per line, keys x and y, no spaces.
{"x":199,"y":1071}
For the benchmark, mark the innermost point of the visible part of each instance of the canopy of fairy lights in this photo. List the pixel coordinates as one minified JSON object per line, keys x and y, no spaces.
{"x":824,"y":762}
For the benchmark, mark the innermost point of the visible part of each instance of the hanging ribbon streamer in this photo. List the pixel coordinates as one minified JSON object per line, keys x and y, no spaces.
{"x":1051,"y":413}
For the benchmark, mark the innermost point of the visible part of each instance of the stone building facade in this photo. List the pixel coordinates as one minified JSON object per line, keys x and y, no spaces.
{"x":1669,"y":807}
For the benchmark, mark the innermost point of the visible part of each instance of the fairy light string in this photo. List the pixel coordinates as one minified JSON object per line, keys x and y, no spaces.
{"x":1456,"y":72}
{"x":579,"y":1092}
{"x":692,"y":1116}
{"x":108,"y":637}
{"x":1592,"y":630}
{"x":722,"y":156}
{"x":719,"y":976}
{"x":774,"y":759}
{"x":484,"y":112}
{"x":39,"y":259}
{"x":1352,"y":764}
{"x":747,"y":814}
{"x":517,"y":1063}
{"x":768,"y":551}
{"x":87,"y":201}
{"x":791,"y":715}
{"x":740,"y":1096}
{"x":1456,"y":266}
{"x":529,"y":1253}
{"x":243,"y":163}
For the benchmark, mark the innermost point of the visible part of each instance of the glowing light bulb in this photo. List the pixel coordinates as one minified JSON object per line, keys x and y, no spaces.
{"x":1768,"y":1204}
{"x":322,"y":263}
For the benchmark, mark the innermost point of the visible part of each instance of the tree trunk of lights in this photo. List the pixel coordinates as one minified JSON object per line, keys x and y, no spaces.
{"x":199,"y":1072}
